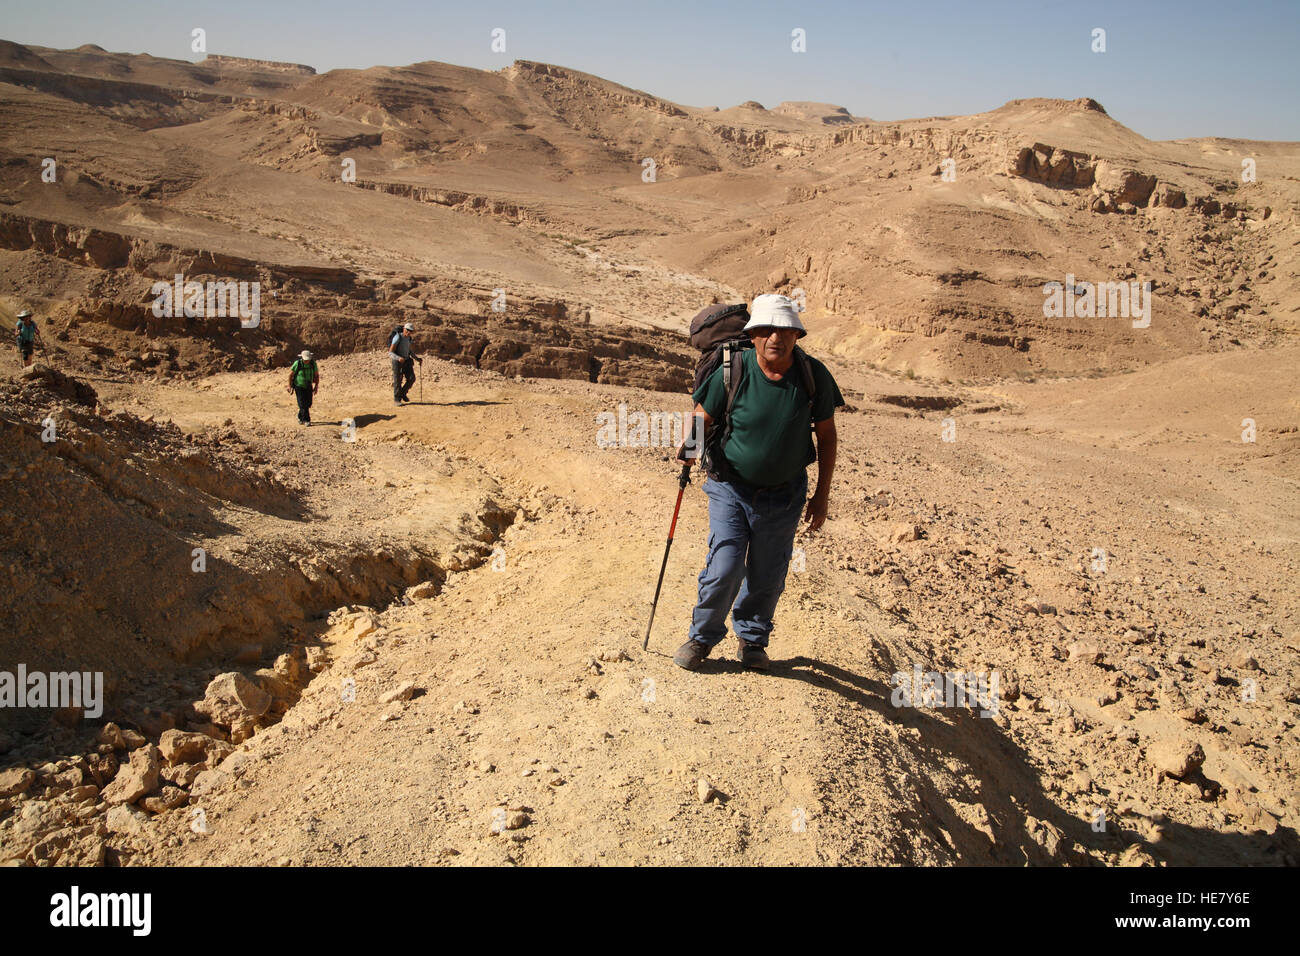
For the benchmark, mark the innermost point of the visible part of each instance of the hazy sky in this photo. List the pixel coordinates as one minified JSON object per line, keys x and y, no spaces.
{"x":1171,"y":69}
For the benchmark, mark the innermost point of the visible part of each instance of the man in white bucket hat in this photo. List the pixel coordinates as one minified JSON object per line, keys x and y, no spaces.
{"x":767,"y":402}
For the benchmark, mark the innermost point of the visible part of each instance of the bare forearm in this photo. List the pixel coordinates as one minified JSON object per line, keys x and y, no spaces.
{"x":826,"y":448}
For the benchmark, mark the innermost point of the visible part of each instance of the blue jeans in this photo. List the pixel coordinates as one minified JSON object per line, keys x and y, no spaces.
{"x":751,"y":538}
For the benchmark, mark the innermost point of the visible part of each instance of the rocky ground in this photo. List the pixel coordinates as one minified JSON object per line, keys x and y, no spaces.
{"x":1132,"y":587}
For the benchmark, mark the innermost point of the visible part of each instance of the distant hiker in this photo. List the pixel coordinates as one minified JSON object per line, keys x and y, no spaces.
{"x":304,"y":381}
{"x":766,"y":402}
{"x":29,"y":336}
{"x":403,"y":360}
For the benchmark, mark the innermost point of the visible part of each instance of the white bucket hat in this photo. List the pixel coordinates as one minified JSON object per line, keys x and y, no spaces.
{"x":409,"y":327}
{"x":776,"y":312}
{"x":25,"y":313}
{"x":305,"y":356}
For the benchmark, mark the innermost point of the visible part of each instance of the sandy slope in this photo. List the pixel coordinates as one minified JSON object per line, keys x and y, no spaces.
{"x":503,"y":658}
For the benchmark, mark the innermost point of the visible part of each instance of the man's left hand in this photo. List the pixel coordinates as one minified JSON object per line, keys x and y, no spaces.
{"x":816,"y":512}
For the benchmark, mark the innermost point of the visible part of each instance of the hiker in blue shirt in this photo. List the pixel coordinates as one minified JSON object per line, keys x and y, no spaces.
{"x":29,"y":336}
{"x":403,"y":360}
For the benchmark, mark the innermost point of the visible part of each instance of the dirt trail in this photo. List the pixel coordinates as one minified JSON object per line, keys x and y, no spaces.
{"x":517,"y":710}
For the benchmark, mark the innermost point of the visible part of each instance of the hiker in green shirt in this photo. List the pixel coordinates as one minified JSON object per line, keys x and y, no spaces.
{"x":757,"y":479}
{"x":29,"y":336}
{"x":304,"y":381}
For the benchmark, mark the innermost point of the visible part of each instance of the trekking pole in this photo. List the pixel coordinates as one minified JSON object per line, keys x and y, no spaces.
{"x":682,"y":481}
{"x":420,"y":376}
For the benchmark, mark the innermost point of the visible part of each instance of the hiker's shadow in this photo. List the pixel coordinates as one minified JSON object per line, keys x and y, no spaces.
{"x":363,"y":420}
{"x":1022,"y":824}
{"x":449,"y":404}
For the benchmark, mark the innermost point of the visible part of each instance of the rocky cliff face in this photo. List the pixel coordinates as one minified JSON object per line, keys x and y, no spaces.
{"x":243,"y":63}
{"x":332,"y":311}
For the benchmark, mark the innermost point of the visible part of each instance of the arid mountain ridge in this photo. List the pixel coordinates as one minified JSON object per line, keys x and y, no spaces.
{"x":535,"y":179}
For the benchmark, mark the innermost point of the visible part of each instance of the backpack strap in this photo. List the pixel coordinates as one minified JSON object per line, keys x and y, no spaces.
{"x":733,"y":372}
{"x":806,"y":372}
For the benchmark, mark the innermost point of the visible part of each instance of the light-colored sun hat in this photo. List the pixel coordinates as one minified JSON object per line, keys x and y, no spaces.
{"x":305,"y":356}
{"x":774,"y":311}
{"x":409,"y":327}
{"x":25,"y":313}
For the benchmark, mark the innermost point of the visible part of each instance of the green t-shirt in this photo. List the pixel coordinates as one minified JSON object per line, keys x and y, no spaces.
{"x":769,"y":421}
{"x":304,"y":373}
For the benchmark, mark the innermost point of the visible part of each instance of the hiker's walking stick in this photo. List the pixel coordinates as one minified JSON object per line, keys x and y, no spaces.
{"x":682,"y":481}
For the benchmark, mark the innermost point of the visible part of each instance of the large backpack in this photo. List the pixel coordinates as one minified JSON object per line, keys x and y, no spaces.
{"x":388,"y":342}
{"x":713,"y":327}
{"x":718,"y":332}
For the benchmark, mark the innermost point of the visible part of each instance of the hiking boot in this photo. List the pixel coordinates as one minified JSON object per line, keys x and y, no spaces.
{"x":753,"y":656}
{"x":691,"y":655}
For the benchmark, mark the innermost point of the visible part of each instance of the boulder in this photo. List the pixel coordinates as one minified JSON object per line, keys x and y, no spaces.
{"x":1126,"y":184}
{"x":102,"y":767}
{"x":242,"y":729}
{"x":128,"y":820}
{"x":289,"y":669}
{"x":317,"y":659}
{"x":111,"y":734}
{"x":1166,"y":195}
{"x":41,"y":376}
{"x":209,"y":780}
{"x":1088,"y":652}
{"x":184,"y":775}
{"x":232,"y":697}
{"x":1175,"y":757}
{"x":15,"y":781}
{"x":179,"y":747}
{"x":82,"y":794}
{"x":402,"y":691}
{"x":274,"y":685}
{"x":136,"y":779}
{"x":168,"y":799}
{"x":1242,"y":660}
